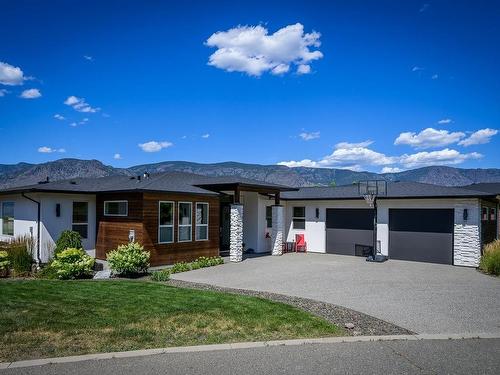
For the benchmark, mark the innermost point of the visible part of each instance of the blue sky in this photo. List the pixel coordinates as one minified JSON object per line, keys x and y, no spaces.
{"x":386,"y":85}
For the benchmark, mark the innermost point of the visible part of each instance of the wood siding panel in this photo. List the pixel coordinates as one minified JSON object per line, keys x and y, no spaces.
{"x":143,"y":218}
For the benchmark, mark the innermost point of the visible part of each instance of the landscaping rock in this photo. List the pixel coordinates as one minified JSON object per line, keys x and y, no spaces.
{"x":349,"y":325}
{"x":105,"y":274}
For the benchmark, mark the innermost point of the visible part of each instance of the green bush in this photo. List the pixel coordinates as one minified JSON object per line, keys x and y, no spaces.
{"x":490,"y":261}
{"x":161,"y":275}
{"x":68,"y":239}
{"x":4,"y":263}
{"x":129,"y":260}
{"x":180,"y":267}
{"x":73,"y":264}
{"x":47,"y":272}
{"x":195,"y":265}
{"x":209,"y":262}
{"x":19,"y":252}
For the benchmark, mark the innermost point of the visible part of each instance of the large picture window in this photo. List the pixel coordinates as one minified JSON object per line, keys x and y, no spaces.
{"x":299,"y":218}
{"x":8,"y":218}
{"x":185,"y":221}
{"x":166,"y":222}
{"x":201,"y":221}
{"x":81,"y":218}
{"x":115,"y":208}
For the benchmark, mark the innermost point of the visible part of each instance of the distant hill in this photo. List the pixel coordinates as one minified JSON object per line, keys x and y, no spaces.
{"x":12,"y":175}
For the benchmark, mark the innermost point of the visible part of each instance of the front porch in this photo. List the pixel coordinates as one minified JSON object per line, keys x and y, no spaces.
{"x":251,"y":218}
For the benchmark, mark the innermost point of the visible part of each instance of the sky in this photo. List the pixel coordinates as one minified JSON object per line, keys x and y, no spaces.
{"x":382,"y":86}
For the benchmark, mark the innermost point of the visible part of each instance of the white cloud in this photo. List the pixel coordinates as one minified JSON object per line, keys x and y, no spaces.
{"x":416,"y":68}
{"x":445,"y":121}
{"x":252,"y":50}
{"x":11,"y":75}
{"x":205,"y":136}
{"x":479,"y":137}
{"x":441,"y":157}
{"x":80,"y":105}
{"x":87,"y":57}
{"x":303,"y":69}
{"x":31,"y":94}
{"x":428,"y":138}
{"x":308,"y":136}
{"x":390,"y":170}
{"x":49,"y":150}
{"x":59,"y":117}
{"x":73,"y":124}
{"x":434,"y":76}
{"x":154,"y":146}
{"x":117,"y":157}
{"x":3,"y":92}
{"x":357,"y":156}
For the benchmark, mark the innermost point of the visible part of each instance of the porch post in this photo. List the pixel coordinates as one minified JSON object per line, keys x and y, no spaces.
{"x":236,"y":233}
{"x":278,"y":230}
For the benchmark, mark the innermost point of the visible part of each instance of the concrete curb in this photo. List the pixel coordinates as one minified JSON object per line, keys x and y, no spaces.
{"x":243,"y":345}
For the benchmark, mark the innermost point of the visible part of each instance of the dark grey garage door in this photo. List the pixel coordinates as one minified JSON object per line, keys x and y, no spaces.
{"x":349,"y":231}
{"x":423,"y":235}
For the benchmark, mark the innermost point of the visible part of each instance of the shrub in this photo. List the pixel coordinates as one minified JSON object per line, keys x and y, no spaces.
{"x":195,"y":265}
{"x":490,"y":261}
{"x":68,"y":239}
{"x":19,"y":251}
{"x":209,"y":262}
{"x":47,"y":272}
{"x":4,"y":263}
{"x":128,"y":260}
{"x":161,"y":275}
{"x":180,"y":267}
{"x":73,"y":264}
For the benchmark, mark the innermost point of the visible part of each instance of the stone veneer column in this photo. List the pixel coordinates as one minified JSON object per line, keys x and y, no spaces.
{"x":236,"y":233}
{"x":278,"y":230}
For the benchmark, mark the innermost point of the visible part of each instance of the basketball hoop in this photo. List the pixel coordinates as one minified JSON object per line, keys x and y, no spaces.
{"x":370,"y":199}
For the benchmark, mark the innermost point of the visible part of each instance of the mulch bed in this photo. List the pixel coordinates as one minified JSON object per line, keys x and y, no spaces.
{"x":364,"y":325}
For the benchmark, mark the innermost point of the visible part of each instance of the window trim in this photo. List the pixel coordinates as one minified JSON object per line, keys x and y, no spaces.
{"x":117,"y":201}
{"x":76,"y":223}
{"x":202,"y":225}
{"x":184,"y":225}
{"x":298,"y":217}
{"x":166,"y":226}
{"x":14,"y":219}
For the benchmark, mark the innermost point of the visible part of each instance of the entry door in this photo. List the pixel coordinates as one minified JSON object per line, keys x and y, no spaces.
{"x":225,"y":226}
{"x":349,"y":231}
{"x":422,"y":235}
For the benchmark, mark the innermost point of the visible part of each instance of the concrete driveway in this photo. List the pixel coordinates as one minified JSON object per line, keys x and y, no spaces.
{"x":422,"y":297}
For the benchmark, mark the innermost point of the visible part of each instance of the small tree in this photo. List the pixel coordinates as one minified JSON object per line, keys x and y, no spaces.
{"x":68,"y":239}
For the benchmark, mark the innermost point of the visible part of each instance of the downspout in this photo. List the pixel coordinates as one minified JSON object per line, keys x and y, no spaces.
{"x":38,"y":260}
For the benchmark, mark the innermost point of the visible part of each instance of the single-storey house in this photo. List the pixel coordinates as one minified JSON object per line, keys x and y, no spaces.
{"x":182,"y":216}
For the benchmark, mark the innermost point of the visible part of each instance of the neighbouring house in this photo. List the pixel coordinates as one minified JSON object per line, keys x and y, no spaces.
{"x":181,"y":216}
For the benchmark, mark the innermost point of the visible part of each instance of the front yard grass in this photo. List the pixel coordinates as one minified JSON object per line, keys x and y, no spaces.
{"x":45,"y":318}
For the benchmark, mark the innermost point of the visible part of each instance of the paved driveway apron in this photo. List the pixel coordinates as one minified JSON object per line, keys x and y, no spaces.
{"x":422,"y":297}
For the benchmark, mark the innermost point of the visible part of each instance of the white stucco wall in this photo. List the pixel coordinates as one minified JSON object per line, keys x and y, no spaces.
{"x":25,"y":217}
{"x":315,"y":232}
{"x":467,"y":245}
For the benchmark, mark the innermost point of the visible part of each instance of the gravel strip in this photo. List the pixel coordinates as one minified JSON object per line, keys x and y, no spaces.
{"x":364,"y":325}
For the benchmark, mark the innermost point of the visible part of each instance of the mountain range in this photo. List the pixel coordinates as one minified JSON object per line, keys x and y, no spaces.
{"x":12,"y":175}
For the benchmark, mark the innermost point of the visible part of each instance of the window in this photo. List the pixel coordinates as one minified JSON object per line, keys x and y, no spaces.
{"x":201,"y":221}
{"x":81,"y":218}
{"x":185,"y":221}
{"x":484,"y":213}
{"x":115,"y":208}
{"x":493,"y":214}
{"x":269,"y":216}
{"x":299,"y":218}
{"x":8,"y":218}
{"x":166,"y":222}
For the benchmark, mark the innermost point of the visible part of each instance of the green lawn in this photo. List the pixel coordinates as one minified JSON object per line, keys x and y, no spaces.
{"x":42,"y":318}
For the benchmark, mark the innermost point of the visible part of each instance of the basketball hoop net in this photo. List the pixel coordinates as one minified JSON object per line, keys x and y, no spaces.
{"x":370,"y":199}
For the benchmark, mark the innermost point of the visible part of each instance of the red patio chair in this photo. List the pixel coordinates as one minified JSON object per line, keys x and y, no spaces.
{"x":300,"y":243}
